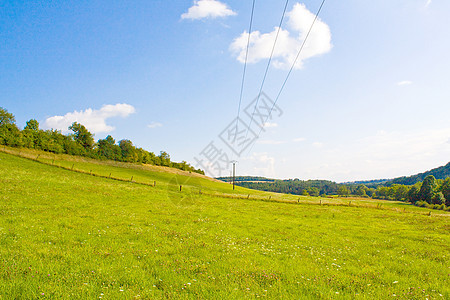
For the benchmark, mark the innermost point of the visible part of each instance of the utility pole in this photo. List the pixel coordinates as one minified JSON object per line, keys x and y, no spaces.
{"x":234,"y":172}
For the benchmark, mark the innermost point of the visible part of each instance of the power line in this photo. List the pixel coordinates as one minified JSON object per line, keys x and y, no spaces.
{"x":245,"y":65}
{"x":267,"y":68}
{"x":290,"y":70}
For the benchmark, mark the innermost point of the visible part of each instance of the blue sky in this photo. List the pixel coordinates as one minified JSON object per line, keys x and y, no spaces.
{"x":368,"y":99}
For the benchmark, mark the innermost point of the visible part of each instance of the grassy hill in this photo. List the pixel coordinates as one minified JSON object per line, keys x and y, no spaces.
{"x":79,"y":228}
{"x":440,"y":173}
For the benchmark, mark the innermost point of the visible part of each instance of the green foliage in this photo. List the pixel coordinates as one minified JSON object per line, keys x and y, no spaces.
{"x":108,"y":149}
{"x":343,"y":191}
{"x":164,"y":159}
{"x":290,"y":186}
{"x":438,"y":198}
{"x":313,"y":191}
{"x":82,"y":136}
{"x":399,"y":192}
{"x":80,"y":143}
{"x":10,"y":135}
{"x":446,"y":191}
{"x":32,"y":125}
{"x":361,"y":190}
{"x":428,"y":189}
{"x":128,"y":151}
{"x":439,"y":173}
{"x":413,"y":193}
{"x":6,"y":117}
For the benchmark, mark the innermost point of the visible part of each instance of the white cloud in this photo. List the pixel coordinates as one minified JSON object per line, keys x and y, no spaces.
{"x":154,"y":125}
{"x":404,"y":82}
{"x":94,"y":120}
{"x":208,"y":9}
{"x":382,"y":155}
{"x":289,"y":41}
{"x":270,"y":125}
{"x":317,"y":144}
{"x":261,"y":164}
{"x":428,"y":3}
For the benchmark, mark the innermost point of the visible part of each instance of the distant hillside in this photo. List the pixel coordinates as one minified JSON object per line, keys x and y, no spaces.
{"x":440,"y":173}
{"x":369,"y":183}
{"x":245,"y":179}
{"x":289,"y":186}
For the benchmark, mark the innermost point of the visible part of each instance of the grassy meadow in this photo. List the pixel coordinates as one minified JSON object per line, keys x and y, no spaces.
{"x":68,"y":234}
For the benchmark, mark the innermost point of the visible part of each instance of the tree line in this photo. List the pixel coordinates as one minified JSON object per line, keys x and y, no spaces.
{"x":80,"y":142}
{"x":431,"y":192}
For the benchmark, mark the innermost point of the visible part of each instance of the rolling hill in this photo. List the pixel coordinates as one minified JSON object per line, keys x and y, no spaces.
{"x":75,"y":228}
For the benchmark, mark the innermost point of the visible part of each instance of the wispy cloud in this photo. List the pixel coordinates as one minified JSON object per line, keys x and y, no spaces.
{"x":428,"y":3}
{"x":404,"y":82}
{"x":317,"y":144}
{"x":93,"y":119}
{"x":270,"y":125}
{"x":289,"y":41}
{"x":154,"y":125}
{"x":208,"y":9}
{"x":261,"y":163}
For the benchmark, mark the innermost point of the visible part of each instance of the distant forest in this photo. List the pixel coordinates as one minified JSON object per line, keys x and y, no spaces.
{"x":430,"y":192}
{"x":80,"y":142}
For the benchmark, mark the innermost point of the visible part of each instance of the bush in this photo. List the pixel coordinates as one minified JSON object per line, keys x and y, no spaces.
{"x":421,"y":203}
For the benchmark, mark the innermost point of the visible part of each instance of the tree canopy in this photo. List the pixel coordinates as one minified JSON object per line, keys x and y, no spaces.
{"x":80,"y":142}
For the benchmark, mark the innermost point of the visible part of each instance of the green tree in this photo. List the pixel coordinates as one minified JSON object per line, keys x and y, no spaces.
{"x":107,"y":148}
{"x":313,"y":191}
{"x":128,"y":151}
{"x":30,"y":134}
{"x":32,"y":125}
{"x":413,"y":193}
{"x":10,"y":135}
{"x":429,"y":187}
{"x":82,"y":135}
{"x":361,"y":190}
{"x":399,"y":192}
{"x":446,"y":191}
{"x":6,"y":117}
{"x":164,"y":159}
{"x":343,"y":191}
{"x":438,"y":198}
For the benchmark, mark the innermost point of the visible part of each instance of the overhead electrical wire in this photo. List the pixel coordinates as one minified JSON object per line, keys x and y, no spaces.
{"x":290,"y":70}
{"x":245,"y":65}
{"x":267,"y":68}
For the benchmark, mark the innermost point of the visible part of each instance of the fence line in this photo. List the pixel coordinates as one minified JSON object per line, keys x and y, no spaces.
{"x":320,"y":202}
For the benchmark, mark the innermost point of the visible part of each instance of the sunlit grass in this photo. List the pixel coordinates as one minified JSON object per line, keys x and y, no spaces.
{"x":65,"y":234}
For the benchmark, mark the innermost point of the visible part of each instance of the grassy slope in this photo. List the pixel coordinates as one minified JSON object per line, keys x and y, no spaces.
{"x":65,"y":234}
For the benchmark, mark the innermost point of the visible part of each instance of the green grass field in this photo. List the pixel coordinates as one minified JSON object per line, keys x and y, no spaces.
{"x":66,"y":234}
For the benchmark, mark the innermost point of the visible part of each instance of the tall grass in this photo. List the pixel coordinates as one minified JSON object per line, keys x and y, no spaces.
{"x":65,"y":234}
